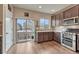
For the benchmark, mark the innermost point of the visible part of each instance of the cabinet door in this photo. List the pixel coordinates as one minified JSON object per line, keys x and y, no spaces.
{"x":54,"y":36}
{"x":45,"y":36}
{"x":40,"y":36}
{"x":53,"y":22}
{"x":67,"y":14}
{"x":74,"y":11}
{"x":57,"y":20}
{"x":61,"y":21}
{"x":50,"y":36}
{"x":57,"y":37}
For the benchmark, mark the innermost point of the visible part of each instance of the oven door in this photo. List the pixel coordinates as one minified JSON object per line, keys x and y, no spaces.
{"x":69,"y":42}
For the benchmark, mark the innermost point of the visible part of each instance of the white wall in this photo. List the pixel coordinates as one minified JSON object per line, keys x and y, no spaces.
{"x":7,"y":41}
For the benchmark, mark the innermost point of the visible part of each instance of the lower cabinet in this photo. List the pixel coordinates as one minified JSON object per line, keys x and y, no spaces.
{"x":40,"y":37}
{"x":57,"y":37}
{"x":51,"y":35}
{"x":44,"y":36}
{"x":48,"y":36}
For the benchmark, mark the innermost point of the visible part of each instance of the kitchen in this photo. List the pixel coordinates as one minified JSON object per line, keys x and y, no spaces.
{"x":66,"y":29}
{"x":61,"y":28}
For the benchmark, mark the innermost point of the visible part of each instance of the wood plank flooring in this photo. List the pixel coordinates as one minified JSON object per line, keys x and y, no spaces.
{"x":31,"y":47}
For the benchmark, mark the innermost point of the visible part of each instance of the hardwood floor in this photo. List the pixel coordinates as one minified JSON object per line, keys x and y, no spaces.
{"x":50,"y":47}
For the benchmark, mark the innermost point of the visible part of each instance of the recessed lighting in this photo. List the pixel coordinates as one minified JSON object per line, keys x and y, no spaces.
{"x":52,"y":10}
{"x":39,"y":6}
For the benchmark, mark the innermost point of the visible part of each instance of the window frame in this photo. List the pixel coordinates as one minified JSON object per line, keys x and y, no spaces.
{"x":44,"y":23}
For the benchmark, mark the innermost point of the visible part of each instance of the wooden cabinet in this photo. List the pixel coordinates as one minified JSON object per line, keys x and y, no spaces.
{"x":53,"y":21}
{"x":67,"y":13}
{"x":57,"y":37}
{"x":50,"y":35}
{"x":44,"y":36}
{"x":40,"y":37}
{"x":57,"y":20}
{"x":61,"y":21}
{"x":72,"y":12}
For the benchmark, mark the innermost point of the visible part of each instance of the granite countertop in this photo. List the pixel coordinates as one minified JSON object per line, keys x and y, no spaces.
{"x":44,"y":31}
{"x":48,"y":31}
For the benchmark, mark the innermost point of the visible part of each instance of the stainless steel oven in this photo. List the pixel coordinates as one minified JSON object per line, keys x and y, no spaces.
{"x":69,"y":40}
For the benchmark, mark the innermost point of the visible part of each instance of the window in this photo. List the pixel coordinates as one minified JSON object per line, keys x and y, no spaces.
{"x":24,"y":25}
{"x":21,"y":24}
{"x":44,"y":23}
{"x":30,"y":25}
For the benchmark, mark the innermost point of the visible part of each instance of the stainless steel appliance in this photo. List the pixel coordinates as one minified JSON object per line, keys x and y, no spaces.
{"x":69,"y":40}
{"x":71,"y":21}
{"x":78,"y":42}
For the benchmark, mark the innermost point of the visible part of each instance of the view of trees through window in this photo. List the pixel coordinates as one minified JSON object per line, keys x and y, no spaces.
{"x":44,"y":23}
{"x":23,"y":25}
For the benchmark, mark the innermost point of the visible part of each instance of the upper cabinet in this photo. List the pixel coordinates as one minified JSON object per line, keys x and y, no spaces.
{"x":72,"y":12}
{"x":57,"y":20}
{"x":67,"y":17}
{"x":61,"y":18}
{"x":53,"y":21}
{"x":67,"y":13}
{"x":71,"y":16}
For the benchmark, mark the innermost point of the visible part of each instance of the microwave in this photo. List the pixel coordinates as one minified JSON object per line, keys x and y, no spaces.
{"x":71,"y":21}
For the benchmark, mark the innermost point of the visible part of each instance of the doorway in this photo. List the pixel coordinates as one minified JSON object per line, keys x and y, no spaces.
{"x":25,"y":30}
{"x":9,"y":32}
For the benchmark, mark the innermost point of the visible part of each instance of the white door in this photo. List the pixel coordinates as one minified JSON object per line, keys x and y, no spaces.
{"x":25,"y":30}
{"x":9,"y":32}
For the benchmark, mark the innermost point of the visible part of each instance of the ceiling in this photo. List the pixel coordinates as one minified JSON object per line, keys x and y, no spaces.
{"x":44,"y":8}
